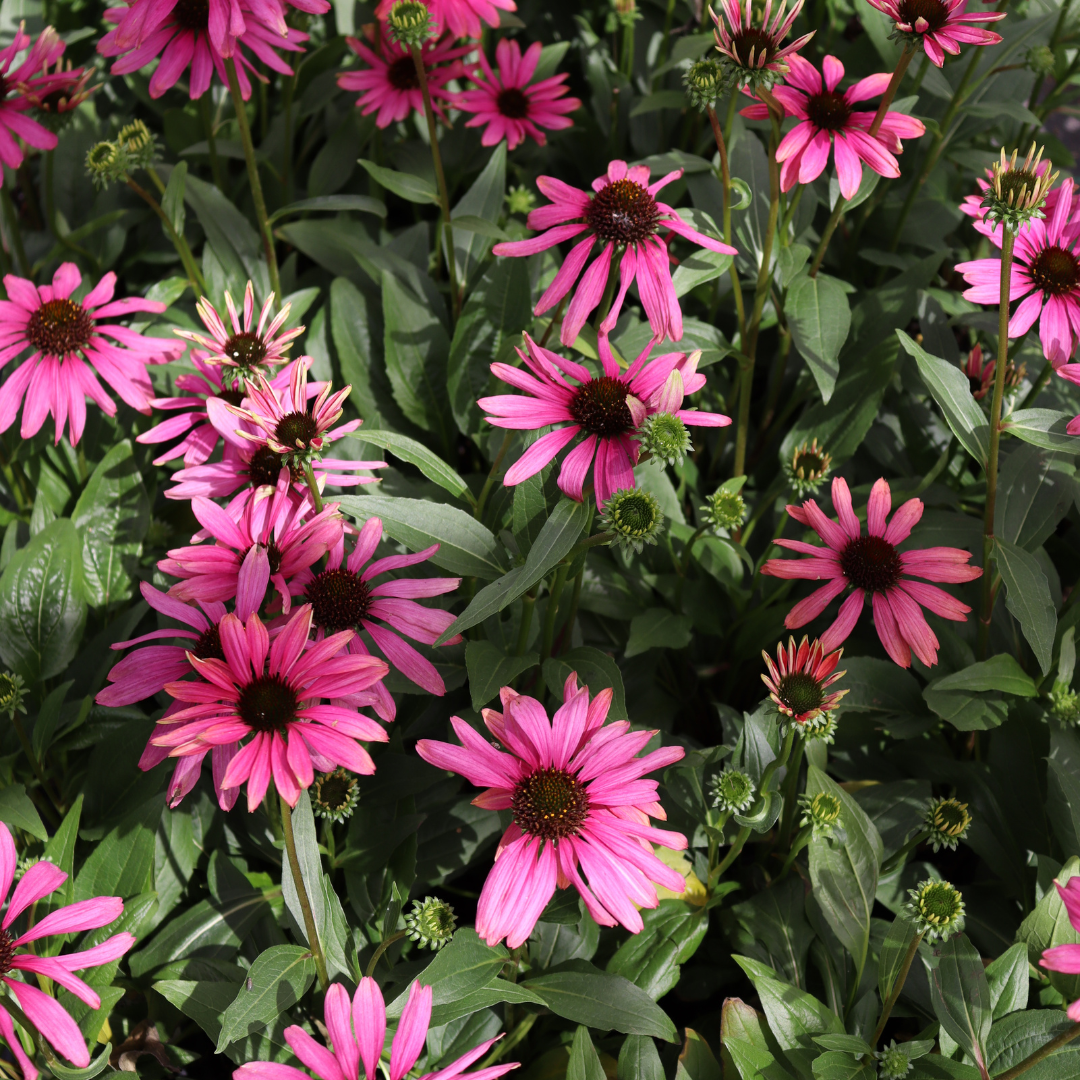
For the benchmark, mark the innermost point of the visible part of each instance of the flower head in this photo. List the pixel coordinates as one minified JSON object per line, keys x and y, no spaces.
{"x":937,"y":909}
{"x":409,"y":22}
{"x":755,"y":51}
{"x":579,"y":805}
{"x":872,"y":564}
{"x":357,"y":1032}
{"x":824,"y":813}
{"x":634,"y":517}
{"x":60,"y":91}
{"x":520,"y":200}
{"x":624,"y":215}
{"x":807,"y":468}
{"x":43,"y":1011}
{"x":71,"y":343}
{"x":948,"y":822}
{"x":507,"y":106}
{"x":725,"y":508}
{"x":940,"y":26}
{"x":706,"y":81}
{"x":1065,"y":705}
{"x":608,"y":410}
{"x":1016,"y":196}
{"x":893,"y":1062}
{"x":732,"y":790}
{"x":335,"y":795}
{"x":799,"y":680}
{"x":431,"y":923}
{"x":461,"y":18}
{"x":21,"y":87}
{"x":822,"y":727}
{"x":1041,"y":60}
{"x":12,"y":694}
{"x":664,"y":435}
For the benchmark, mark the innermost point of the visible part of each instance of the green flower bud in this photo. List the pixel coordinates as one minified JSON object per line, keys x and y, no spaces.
{"x":334,"y":795}
{"x":948,"y":821}
{"x":431,"y":923}
{"x":409,"y":22}
{"x":937,"y":909}
{"x":894,"y":1063}
{"x":732,"y":790}
{"x":808,"y":469}
{"x":1040,"y":59}
{"x":725,"y":509}
{"x":634,"y":516}
{"x":1017,"y":195}
{"x":665,"y":436}
{"x":12,"y":692}
{"x":823,"y":727}
{"x":24,"y":864}
{"x":105,"y":163}
{"x":824,"y":813}
{"x":1065,"y":705}
{"x":706,"y":82}
{"x":520,"y":200}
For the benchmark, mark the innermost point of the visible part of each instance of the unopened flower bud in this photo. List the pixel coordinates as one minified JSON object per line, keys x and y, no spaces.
{"x":334,"y":795}
{"x":431,"y":923}
{"x":1065,"y":705}
{"x":12,"y":692}
{"x":807,"y":469}
{"x":520,"y":200}
{"x":635,"y":518}
{"x":948,"y":821}
{"x":824,"y":813}
{"x":937,"y":909}
{"x":1040,"y":60}
{"x":706,"y":82}
{"x":665,"y":436}
{"x":1017,"y":195}
{"x":105,"y":164}
{"x":409,"y":22}
{"x":724,"y":509}
{"x":894,"y":1064}
{"x":732,"y":790}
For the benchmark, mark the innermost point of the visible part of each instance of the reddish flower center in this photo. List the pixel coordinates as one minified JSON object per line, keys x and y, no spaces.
{"x":513,"y":103}
{"x":273,"y":557}
{"x":801,"y":693}
{"x":267,"y":703}
{"x":245,"y":349}
{"x":1055,"y":270}
{"x":749,"y":45}
{"x":871,"y":563}
{"x":828,"y":111}
{"x":208,"y":647}
{"x":599,"y":406}
{"x":402,"y":74}
{"x":192,"y":14}
{"x":265,"y":467}
{"x":234,"y":396}
{"x":550,"y":804}
{"x":59,"y":328}
{"x":297,"y":429}
{"x":623,"y":212}
{"x":933,"y":11}
{"x":7,"y":951}
{"x":339,"y":599}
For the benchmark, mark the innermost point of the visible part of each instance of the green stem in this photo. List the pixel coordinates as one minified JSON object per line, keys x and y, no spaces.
{"x":301,"y":890}
{"x":489,"y":483}
{"x":897,"y":858}
{"x":553,"y":610}
{"x":1038,"y":387}
{"x":1002,"y":360}
{"x":725,"y":187}
{"x":901,"y":978}
{"x":383,"y":946}
{"x":211,"y":142}
{"x":802,"y":838}
{"x":791,"y":786}
{"x":39,"y":772}
{"x":256,"y":183}
{"x":440,"y":177}
{"x":178,"y":242}
{"x":665,"y":41}
{"x":528,"y":604}
{"x":511,"y":1040}
{"x":1044,"y":1051}
{"x":566,"y":638}
{"x":286,"y":171}
{"x":15,"y":233}
{"x":628,"y":47}
{"x":313,"y":487}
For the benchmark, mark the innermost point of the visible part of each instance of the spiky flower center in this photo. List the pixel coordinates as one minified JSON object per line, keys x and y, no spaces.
{"x":267,"y":703}
{"x":623,"y":212}
{"x":828,"y":111}
{"x":339,"y":599}
{"x":825,"y":809}
{"x":807,"y":465}
{"x":635,"y":514}
{"x":402,"y":74}
{"x":951,"y":818}
{"x":1017,"y":181}
{"x":245,"y":350}
{"x":59,"y":328}
{"x":800,"y":692}
{"x":192,"y":14}
{"x":208,"y":647}
{"x":231,"y":395}
{"x":551,"y":804}
{"x":939,"y":904}
{"x":7,"y":951}
{"x":513,"y":103}
{"x":334,"y":791}
{"x":599,"y":406}
{"x":431,"y":922}
{"x":733,"y":789}
{"x":8,"y":689}
{"x":1055,"y":270}
{"x":871,"y":563}
{"x":297,"y":429}
{"x":933,"y":12}
{"x":751,"y":44}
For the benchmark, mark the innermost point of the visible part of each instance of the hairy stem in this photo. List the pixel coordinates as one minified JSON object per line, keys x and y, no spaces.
{"x":301,"y":891}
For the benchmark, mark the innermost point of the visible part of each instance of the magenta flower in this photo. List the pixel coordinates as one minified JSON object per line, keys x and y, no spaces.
{"x":460,"y":17}
{"x":357,"y":1032}
{"x":1045,"y":271}
{"x":273,"y":692}
{"x":200,"y":36}
{"x":507,"y":107}
{"x":943,"y":25}
{"x":579,"y":803}
{"x":622,"y":213}
{"x":827,"y":119}
{"x":757,"y":47}
{"x":343,"y":597}
{"x":68,"y":339}
{"x":46,"y":1014}
{"x":389,"y":87}
{"x":1066,"y":958}
{"x":872,"y":564}
{"x":21,"y":88}
{"x":61,"y":90}
{"x":609,"y":410}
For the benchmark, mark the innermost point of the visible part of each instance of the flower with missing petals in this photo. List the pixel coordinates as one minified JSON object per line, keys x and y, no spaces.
{"x":754,"y":49}
{"x":807,"y":468}
{"x":335,"y":795}
{"x":1017,"y":196}
{"x":800,"y":678}
{"x":939,"y":26}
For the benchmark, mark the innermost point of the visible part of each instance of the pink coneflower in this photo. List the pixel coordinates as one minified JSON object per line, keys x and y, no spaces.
{"x":1046,"y":271}
{"x":1013,"y":177}
{"x":61,"y":90}
{"x":184,"y":35}
{"x":755,"y":48}
{"x":343,"y":597}
{"x":1066,"y":958}
{"x":45,"y":1013}
{"x":827,"y":118}
{"x":511,"y":108}
{"x":70,"y":350}
{"x":623,"y":213}
{"x":273,"y":692}
{"x":942,"y":25}
{"x":800,"y":678}
{"x":389,"y":87}
{"x":20,"y":88}
{"x":872,"y":564}
{"x":460,"y":17}
{"x":357,"y":1032}
{"x":579,"y":803}
{"x":608,"y":410}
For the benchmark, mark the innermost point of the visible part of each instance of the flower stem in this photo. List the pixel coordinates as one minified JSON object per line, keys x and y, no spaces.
{"x":256,"y":183}
{"x":440,"y":177}
{"x":301,"y":890}
{"x":1044,"y":1051}
{"x":553,"y":610}
{"x":508,"y":1044}
{"x":383,"y":946}
{"x":211,"y":141}
{"x":528,"y":604}
{"x":178,"y":241}
{"x":791,"y":784}
{"x":898,"y":857}
{"x":39,"y":772}
{"x":1039,"y":386}
{"x":14,"y":232}
{"x":725,"y":186}
{"x":901,"y":978}
{"x":1007,"y":240}
{"x":313,"y":487}
{"x":802,"y":838}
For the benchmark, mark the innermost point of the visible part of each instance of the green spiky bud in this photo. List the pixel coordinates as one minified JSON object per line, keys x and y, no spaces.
{"x":1040,"y":60}
{"x":807,"y":469}
{"x":666,"y":437}
{"x":520,"y":200}
{"x":12,"y":692}
{"x":24,"y":864}
{"x":725,"y":509}
{"x":948,"y":821}
{"x":409,"y":22}
{"x":105,"y":163}
{"x":138,"y":145}
{"x":1065,"y":705}
{"x":431,"y":923}
{"x":706,"y":82}
{"x":334,"y":795}
{"x":937,"y":909}
{"x":634,"y":517}
{"x":732,"y":790}
{"x":894,"y":1063}
{"x":824,"y":813}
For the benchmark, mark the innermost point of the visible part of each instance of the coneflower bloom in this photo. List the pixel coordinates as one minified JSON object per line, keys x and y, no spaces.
{"x":827,"y":118}
{"x":44,"y":1012}
{"x":608,"y":410}
{"x":754,"y":49}
{"x":273,"y":691}
{"x":507,"y":107}
{"x":388,"y":86}
{"x":579,"y":804}
{"x":61,"y":90}
{"x":184,"y":36}
{"x":1045,"y":271}
{"x":624,"y":215}
{"x":800,"y":678}
{"x":357,"y":1033}
{"x":1066,"y":958}
{"x":20,"y":87}
{"x":1016,"y":178}
{"x":940,"y":25}
{"x":343,"y":597}
{"x":872,"y":564}
{"x":461,"y":17}
{"x":68,"y":339}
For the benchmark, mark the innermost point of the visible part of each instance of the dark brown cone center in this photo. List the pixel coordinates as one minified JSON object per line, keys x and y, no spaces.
{"x":623,"y":212}
{"x":550,"y":804}
{"x":800,"y":692}
{"x":339,"y":599}
{"x":933,"y":11}
{"x":1055,"y":270}
{"x":871,"y":563}
{"x":246,"y":350}
{"x":297,"y":430}
{"x":749,"y":45}
{"x":599,"y":406}
{"x":59,"y":328}
{"x":402,"y":74}
{"x":513,"y":103}
{"x":828,"y":111}
{"x":192,"y":14}
{"x":267,"y":703}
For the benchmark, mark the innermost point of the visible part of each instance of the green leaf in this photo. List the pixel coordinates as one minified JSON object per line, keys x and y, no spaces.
{"x":495,"y":992}
{"x":1008,"y":978}
{"x":18,"y":811}
{"x":122,"y":862}
{"x":464,"y":966}
{"x":595,"y":669}
{"x":172,"y":202}
{"x":1000,"y":672}
{"x":1049,"y":926}
{"x":416,"y":453}
{"x":961,"y":996}
{"x":774,"y":928}
{"x":1035,"y":491}
{"x":277,"y":980}
{"x":847,"y":1044}
{"x":835,"y":1065}
{"x":483,"y":200}
{"x":49,"y":718}
{"x":332,"y":203}
{"x":639,"y":1059}
{"x":1042,"y":427}
{"x":701,"y":266}
{"x":1015,"y":1037}
{"x":60,"y":851}
{"x":42,"y":603}
{"x":582,"y":994}
{"x":661,"y":99}
{"x":413,"y":188}
{"x":231,"y":236}
{"x":1028,"y":597}
{"x":584,"y":1061}
{"x":790,"y":261}
{"x":671,"y":935}
{"x":894,"y":949}
{"x":967,"y":712}
{"x":658,"y":628}
{"x":819,"y":318}
{"x":490,"y":669}
{"x":112,"y":516}
{"x":479,"y":225}
{"x":465,"y":546}
{"x":696,"y":1060}
{"x":949,"y":386}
